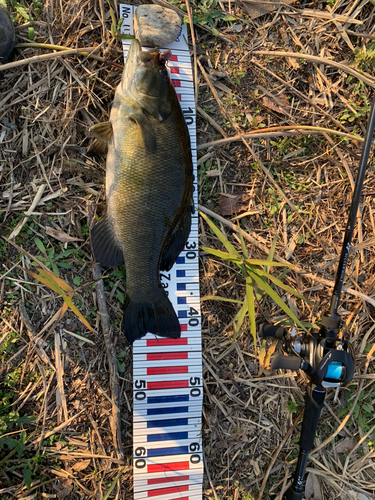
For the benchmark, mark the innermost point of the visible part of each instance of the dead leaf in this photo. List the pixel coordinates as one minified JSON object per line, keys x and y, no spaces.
{"x":313,"y":490}
{"x":60,"y":235}
{"x":64,"y":486}
{"x":278,"y":103}
{"x":255,"y":9}
{"x":346,"y":445}
{"x":82,"y":465}
{"x":230,"y":206}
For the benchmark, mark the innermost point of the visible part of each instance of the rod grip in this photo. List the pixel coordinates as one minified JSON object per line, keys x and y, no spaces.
{"x":281,"y":362}
{"x":266,"y":330}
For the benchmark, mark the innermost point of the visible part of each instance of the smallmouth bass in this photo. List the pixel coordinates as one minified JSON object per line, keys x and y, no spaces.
{"x":149,"y":188}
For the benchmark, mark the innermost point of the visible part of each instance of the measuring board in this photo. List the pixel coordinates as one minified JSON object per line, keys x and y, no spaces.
{"x":167,"y":373}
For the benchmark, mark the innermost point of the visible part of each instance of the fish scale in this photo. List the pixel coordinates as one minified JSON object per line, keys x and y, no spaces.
{"x":167,"y":373}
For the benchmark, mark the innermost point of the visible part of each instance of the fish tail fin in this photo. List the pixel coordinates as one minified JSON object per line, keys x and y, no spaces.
{"x":156,"y":316}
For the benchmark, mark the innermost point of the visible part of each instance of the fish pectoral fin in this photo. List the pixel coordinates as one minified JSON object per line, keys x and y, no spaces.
{"x":148,"y":134}
{"x":106,"y":249}
{"x":102,"y":131}
{"x":98,"y":147}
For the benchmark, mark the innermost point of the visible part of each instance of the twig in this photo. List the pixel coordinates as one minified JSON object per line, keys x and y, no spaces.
{"x":277,"y":131}
{"x":45,"y":57}
{"x":90,"y":54}
{"x":190,"y":14}
{"x":319,"y":60}
{"x":276,"y":454}
{"x":211,"y":121}
{"x":112,"y":365}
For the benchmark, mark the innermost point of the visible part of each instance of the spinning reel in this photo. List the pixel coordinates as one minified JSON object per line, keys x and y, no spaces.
{"x":327,"y":359}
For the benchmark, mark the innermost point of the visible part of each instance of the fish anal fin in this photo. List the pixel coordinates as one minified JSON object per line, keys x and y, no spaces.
{"x":102,"y":131}
{"x":106,"y":249}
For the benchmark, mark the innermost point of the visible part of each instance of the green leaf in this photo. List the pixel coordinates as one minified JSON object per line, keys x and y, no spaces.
{"x":40,"y":245}
{"x":222,"y":299}
{"x":77,"y":313}
{"x":77,"y":280}
{"x":260,"y":262}
{"x":271,"y":292}
{"x":22,"y":12}
{"x":222,"y":255}
{"x":120,"y":366}
{"x":239,"y":319}
{"x":113,"y":484}
{"x":282,"y":285}
{"x":120,"y":296}
{"x":272,"y":252}
{"x":31,"y":33}
{"x":27,"y":475}
{"x":55,"y":269}
{"x":228,"y":18}
{"x":125,"y":37}
{"x":21,"y":444}
{"x":251,"y":308}
{"x":243,"y":245}
{"x":51,"y":253}
{"x":64,"y":265}
{"x":228,"y":246}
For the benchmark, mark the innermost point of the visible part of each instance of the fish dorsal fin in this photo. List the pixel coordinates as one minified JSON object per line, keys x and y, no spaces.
{"x":106,"y":248}
{"x":102,"y":131}
{"x":141,"y":119}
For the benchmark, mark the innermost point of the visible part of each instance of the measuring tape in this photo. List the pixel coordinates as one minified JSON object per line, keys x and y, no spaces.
{"x":167,"y":373}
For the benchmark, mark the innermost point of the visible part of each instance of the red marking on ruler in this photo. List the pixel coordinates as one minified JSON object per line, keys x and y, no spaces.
{"x":160,"y":342}
{"x":176,"y":83}
{"x":167,"y":369}
{"x":171,"y":466}
{"x":175,"y":70}
{"x":173,"y":58}
{"x":172,"y":384}
{"x":167,"y":355}
{"x":179,"y":97}
{"x":184,"y":328}
{"x":168,"y":479}
{"x":165,"y":491}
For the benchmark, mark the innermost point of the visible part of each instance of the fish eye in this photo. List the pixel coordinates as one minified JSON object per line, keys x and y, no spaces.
{"x":162,"y":72}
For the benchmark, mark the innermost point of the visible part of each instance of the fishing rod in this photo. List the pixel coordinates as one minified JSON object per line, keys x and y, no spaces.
{"x":327,"y":359}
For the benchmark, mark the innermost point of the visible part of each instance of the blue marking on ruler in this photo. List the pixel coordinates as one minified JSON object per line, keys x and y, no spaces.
{"x":181,"y":300}
{"x":167,"y":399}
{"x":180,"y":260}
{"x":180,"y":274}
{"x":181,"y":286}
{"x":157,"y":411}
{"x":168,"y":436}
{"x":182,"y":314}
{"x":167,"y":423}
{"x":177,"y":450}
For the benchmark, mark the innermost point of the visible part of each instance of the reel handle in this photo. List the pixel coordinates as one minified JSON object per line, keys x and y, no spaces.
{"x":281,"y":362}
{"x":267,"y":330}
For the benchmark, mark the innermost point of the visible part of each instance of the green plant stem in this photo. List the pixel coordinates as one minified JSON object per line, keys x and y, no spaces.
{"x":278,"y":131}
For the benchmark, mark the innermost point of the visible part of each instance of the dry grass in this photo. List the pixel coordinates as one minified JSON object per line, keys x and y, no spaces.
{"x":299,"y":185}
